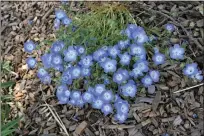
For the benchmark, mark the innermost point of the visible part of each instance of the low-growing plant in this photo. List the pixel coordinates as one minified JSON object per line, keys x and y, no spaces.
{"x":103,"y":57}
{"x":7,"y":126}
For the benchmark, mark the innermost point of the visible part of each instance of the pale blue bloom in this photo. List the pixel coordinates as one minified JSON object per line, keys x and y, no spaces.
{"x":190,"y":69}
{"x":113,"y":51}
{"x":66,"y":21}
{"x":107,"y":109}
{"x":142,"y":65}
{"x":76,"y":95}
{"x":97,"y":103}
{"x":107,"y":96}
{"x":87,"y":97}
{"x":99,"y":89}
{"x":170,"y":27}
{"x":59,"y":14}
{"x":29,"y":46}
{"x":109,"y":65}
{"x":75,"y":72}
{"x":177,"y":52}
{"x":31,"y":62}
{"x":57,"y":46}
{"x":123,"y":44}
{"x":147,"y":81}
{"x":137,"y":50}
{"x":125,"y":58}
{"x":158,"y":58}
{"x":129,"y":89}
{"x":46,"y":60}
{"x":86,"y":61}
{"x":154,"y":74}
{"x":70,"y":54}
{"x":121,"y":118}
{"x":119,"y":77}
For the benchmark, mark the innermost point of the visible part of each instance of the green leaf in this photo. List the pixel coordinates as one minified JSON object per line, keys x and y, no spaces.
{"x":9,"y":127}
{"x":7,"y":84}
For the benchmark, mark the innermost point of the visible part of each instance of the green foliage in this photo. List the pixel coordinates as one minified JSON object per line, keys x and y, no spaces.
{"x":6,"y":66}
{"x":7,"y":84}
{"x":7,"y":128}
{"x":100,"y":26}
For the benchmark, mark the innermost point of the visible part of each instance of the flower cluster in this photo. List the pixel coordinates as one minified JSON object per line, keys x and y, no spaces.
{"x":125,"y":64}
{"x":61,"y":17}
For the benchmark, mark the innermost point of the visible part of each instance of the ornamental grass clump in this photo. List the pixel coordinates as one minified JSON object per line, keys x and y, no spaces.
{"x":104,"y":58}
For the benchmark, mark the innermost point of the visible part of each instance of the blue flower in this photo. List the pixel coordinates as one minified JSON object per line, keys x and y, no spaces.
{"x":121,"y":118}
{"x":31,"y":62}
{"x":122,"y":106}
{"x":109,"y":65}
{"x":141,"y":57}
{"x":107,"y":109}
{"x":97,"y":103}
{"x":70,"y":54}
{"x":75,"y":95}
{"x":66,"y":21}
{"x":125,"y":73}
{"x":100,"y":53}
{"x":80,"y":103}
{"x":158,"y":58}
{"x":61,"y":90}
{"x":46,"y":79}
{"x":142,"y":65}
{"x":62,"y":99}
{"x":85,"y":72}
{"x":190,"y":69}
{"x":169,"y":27}
{"x":29,"y":46}
{"x":129,"y":30}
{"x":136,"y":72}
{"x":46,"y":60}
{"x":147,"y":81}
{"x":125,"y":58}
{"x":66,"y":77}
{"x":87,"y":97}
{"x":41,"y":73}
{"x":198,"y":76}
{"x":177,"y":52}
{"x":80,"y":49}
{"x":99,"y":89}
{"x":113,"y":51}
{"x":86,"y":61}
{"x":132,"y":27}
{"x":123,"y":44}
{"x":57,"y":46}
{"x":56,"y":24}
{"x":154,"y":74}
{"x":67,"y":93}
{"x":56,"y":60}
{"x":140,"y":36}
{"x":60,"y":14}
{"x":72,"y":102}
{"x":59,"y":68}
{"x":119,"y":77}
{"x":107,"y":96}
{"x":75,"y":72}
{"x":129,"y":89}
{"x":137,"y":50}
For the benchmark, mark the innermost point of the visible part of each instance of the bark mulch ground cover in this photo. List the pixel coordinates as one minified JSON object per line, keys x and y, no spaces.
{"x":160,"y":111}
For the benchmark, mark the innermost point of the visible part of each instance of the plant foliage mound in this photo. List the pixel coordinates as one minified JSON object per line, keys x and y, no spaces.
{"x":104,"y":57}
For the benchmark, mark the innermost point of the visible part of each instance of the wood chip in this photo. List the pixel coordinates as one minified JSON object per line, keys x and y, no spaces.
{"x":80,"y":128}
{"x":156,"y":101}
